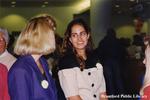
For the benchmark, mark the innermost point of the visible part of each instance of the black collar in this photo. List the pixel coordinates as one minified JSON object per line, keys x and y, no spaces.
{"x":69,"y":60}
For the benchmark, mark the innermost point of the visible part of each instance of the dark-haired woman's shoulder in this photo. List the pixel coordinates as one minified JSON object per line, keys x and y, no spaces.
{"x":68,"y":61}
{"x":92,"y":60}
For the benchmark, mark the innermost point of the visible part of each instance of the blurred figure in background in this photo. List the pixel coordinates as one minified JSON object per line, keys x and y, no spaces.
{"x":4,"y":95}
{"x":29,"y":77}
{"x":5,"y":57}
{"x":111,"y":52}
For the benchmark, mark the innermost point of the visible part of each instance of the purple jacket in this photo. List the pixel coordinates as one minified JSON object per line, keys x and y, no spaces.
{"x":24,"y":80}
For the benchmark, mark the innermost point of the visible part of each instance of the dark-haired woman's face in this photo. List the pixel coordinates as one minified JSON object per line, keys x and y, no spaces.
{"x":79,"y":37}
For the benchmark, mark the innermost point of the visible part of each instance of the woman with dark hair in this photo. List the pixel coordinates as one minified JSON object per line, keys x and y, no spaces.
{"x":80,"y":73}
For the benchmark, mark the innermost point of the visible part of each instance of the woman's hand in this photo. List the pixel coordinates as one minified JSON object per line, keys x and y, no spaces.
{"x":74,"y":98}
{"x":103,"y":96}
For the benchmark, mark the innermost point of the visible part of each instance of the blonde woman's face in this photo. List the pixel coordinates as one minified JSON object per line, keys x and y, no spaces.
{"x":79,"y":37}
{"x":2,"y":43}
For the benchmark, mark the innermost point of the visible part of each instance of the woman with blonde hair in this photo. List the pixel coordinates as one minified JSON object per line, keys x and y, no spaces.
{"x":29,"y":77}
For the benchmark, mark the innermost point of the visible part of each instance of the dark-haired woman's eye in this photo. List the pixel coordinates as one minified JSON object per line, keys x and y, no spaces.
{"x":83,"y":33}
{"x":73,"y":35}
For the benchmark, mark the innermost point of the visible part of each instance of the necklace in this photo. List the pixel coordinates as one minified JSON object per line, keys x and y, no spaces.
{"x":44,"y":83}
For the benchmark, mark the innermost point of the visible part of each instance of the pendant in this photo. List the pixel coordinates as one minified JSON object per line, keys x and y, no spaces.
{"x":44,"y":84}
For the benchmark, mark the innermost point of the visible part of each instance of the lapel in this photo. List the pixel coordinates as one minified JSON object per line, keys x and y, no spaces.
{"x":39,"y":75}
{"x":46,"y":70}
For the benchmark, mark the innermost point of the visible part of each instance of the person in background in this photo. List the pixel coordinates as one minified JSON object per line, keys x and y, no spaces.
{"x":80,"y":73}
{"x":4,"y":95}
{"x":111,"y":53}
{"x":5,"y":57}
{"x":145,"y":90}
{"x":29,"y":77}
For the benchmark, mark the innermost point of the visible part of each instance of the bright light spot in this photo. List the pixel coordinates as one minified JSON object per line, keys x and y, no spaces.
{"x":13,"y":2}
{"x":45,"y":2}
{"x":117,"y":6}
{"x":43,"y":6}
{"x":12,"y":5}
{"x":83,"y":5}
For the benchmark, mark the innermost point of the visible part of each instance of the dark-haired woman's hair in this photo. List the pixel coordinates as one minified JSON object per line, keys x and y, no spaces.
{"x":67,"y":45}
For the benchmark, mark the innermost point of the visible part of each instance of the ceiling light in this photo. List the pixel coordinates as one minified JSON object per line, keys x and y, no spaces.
{"x":83,"y":5}
{"x":43,"y":6}
{"x":46,"y":2}
{"x":117,"y":6}
{"x":13,"y":2}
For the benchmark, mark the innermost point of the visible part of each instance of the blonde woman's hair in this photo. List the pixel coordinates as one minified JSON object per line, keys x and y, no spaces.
{"x":50,"y":19}
{"x":37,"y":37}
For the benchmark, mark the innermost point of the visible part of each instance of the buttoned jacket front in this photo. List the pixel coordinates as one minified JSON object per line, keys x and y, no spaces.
{"x":88,"y":84}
